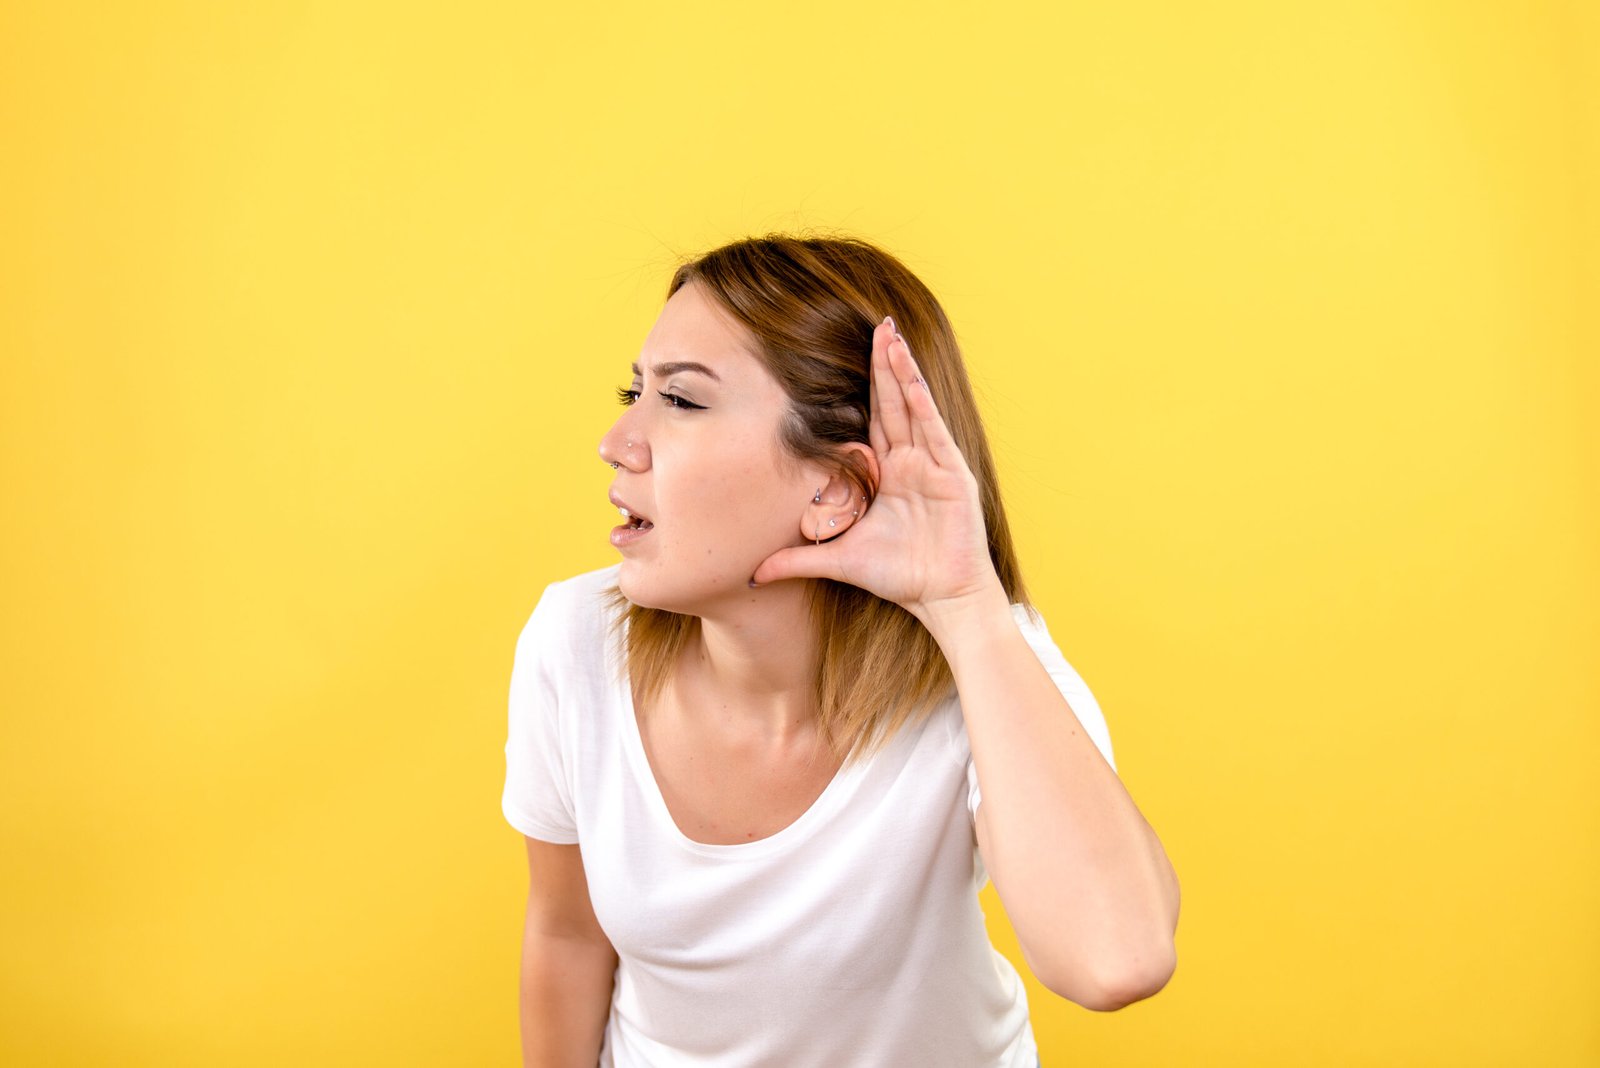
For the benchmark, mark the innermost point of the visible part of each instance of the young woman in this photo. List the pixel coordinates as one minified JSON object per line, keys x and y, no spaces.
{"x":765,"y":763}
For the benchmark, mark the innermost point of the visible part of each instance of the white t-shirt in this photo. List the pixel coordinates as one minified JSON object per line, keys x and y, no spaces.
{"x":851,"y":937}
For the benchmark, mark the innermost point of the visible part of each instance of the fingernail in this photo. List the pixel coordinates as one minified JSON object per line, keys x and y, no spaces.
{"x":890,"y":320}
{"x":753,"y":584}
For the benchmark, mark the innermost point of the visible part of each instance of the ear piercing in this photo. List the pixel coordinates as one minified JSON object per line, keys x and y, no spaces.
{"x":817,"y":530}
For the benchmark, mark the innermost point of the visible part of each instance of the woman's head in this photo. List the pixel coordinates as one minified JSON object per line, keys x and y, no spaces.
{"x":791,"y":319}
{"x":810,"y":306}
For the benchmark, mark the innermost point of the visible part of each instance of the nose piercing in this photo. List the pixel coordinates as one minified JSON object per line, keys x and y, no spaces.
{"x":614,"y":464}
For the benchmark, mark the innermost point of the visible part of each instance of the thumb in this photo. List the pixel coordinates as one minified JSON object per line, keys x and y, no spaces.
{"x":801,"y":561}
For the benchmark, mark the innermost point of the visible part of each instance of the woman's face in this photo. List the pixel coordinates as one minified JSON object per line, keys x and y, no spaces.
{"x":700,"y":461}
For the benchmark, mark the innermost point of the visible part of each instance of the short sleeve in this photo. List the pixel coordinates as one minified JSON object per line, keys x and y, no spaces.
{"x":538,"y":792}
{"x":1072,"y":687}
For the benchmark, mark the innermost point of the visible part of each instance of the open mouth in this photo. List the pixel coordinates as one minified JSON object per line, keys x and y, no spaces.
{"x":635,"y":522}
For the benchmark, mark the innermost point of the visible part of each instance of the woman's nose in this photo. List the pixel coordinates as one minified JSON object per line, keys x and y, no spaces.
{"x":622,"y":446}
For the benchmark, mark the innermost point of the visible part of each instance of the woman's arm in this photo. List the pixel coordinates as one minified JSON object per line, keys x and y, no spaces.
{"x":567,"y":963}
{"x":1086,"y":883}
{"x":1082,"y":876}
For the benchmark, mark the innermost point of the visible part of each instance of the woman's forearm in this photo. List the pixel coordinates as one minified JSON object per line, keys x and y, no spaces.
{"x":1081,"y":874}
{"x":566,"y":998}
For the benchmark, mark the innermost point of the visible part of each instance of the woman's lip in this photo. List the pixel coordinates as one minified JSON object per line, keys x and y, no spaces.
{"x":627,"y":535}
{"x":623,"y":506}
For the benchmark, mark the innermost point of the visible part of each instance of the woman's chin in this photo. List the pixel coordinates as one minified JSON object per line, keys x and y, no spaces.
{"x":628,"y":585}
{"x":641,"y":592}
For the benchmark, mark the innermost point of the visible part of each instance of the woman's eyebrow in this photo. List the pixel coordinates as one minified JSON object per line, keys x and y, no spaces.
{"x":662,"y":370}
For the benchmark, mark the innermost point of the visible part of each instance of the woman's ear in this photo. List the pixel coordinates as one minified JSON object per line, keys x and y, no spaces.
{"x":843,"y":501}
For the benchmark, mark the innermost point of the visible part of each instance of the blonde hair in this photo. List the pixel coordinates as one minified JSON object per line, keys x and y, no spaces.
{"x":811,"y":305}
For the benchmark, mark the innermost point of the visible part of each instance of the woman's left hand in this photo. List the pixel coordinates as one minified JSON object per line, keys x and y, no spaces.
{"x":922,"y":543}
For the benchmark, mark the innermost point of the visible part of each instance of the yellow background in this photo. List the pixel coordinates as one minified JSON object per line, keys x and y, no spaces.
{"x":1283,"y":318}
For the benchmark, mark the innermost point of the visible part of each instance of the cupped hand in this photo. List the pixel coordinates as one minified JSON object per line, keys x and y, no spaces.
{"x":922,"y":542}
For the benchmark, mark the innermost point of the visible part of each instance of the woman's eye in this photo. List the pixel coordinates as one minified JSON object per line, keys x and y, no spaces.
{"x":626,"y":396}
{"x":678,"y":402}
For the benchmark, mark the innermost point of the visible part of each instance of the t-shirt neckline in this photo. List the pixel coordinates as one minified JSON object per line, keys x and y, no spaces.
{"x":838,"y":790}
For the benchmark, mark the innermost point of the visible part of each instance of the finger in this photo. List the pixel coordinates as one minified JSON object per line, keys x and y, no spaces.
{"x":802,"y":561}
{"x":909,"y":379}
{"x":893,"y":416}
{"x":881,"y":336}
{"x":928,"y":426}
{"x":911,"y":382}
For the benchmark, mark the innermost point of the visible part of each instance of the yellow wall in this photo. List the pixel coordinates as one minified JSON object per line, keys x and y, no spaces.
{"x":1283,"y":317}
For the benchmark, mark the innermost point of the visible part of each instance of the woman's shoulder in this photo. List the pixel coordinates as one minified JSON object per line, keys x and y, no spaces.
{"x":1031,"y":622}
{"x":573,"y":615}
{"x":587,"y":589}
{"x":1080,"y":698}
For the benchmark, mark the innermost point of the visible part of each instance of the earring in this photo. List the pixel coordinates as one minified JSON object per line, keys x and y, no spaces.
{"x":818,"y":498}
{"x":817,"y":535}
{"x":833,"y":522}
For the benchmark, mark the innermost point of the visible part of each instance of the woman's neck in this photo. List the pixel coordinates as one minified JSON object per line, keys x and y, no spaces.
{"x":755,"y":661}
